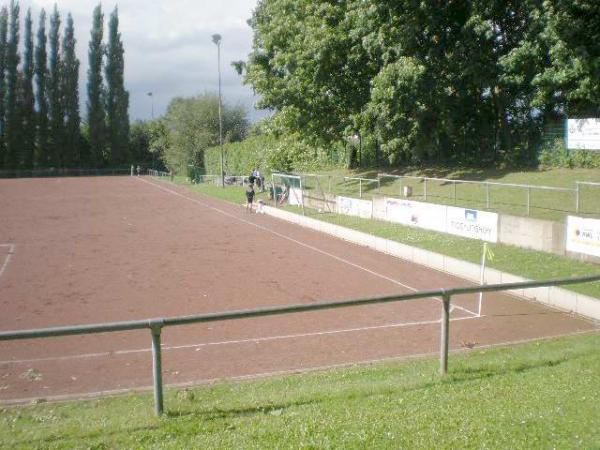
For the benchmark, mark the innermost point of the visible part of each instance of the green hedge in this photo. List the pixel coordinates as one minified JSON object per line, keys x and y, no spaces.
{"x":268,"y":154}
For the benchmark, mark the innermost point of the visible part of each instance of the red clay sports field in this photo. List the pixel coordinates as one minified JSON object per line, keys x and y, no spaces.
{"x":89,"y":250}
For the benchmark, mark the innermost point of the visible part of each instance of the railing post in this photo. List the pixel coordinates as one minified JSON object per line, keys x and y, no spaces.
{"x":359,"y":188}
{"x":274,"y":190}
{"x":378,"y":185}
{"x":401,"y":186}
{"x":155,"y":328}
{"x":528,"y":200}
{"x":487,"y":195}
{"x":329,"y":184}
{"x":302,"y":196}
{"x":444,"y":334}
{"x":455,"y":192}
{"x":425,"y":188}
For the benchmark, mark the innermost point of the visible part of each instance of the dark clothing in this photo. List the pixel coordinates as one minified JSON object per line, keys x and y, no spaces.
{"x":250,"y":194}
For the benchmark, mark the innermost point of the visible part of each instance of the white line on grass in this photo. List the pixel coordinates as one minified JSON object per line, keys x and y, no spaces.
{"x":303,"y":244}
{"x":234,"y":341}
{"x":11,"y":250}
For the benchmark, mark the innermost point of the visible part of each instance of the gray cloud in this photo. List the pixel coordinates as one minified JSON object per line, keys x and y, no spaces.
{"x":168,"y":47}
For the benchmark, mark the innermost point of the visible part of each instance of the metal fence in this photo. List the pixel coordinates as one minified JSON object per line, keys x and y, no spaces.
{"x":488,"y":194}
{"x":156,"y":325}
{"x":65,"y":172}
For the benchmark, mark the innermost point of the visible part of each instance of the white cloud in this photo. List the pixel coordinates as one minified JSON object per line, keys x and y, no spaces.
{"x":168,"y":47}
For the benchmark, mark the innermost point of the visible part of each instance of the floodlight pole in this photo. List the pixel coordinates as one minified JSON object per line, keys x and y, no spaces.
{"x":151,"y":95}
{"x":217,"y":40}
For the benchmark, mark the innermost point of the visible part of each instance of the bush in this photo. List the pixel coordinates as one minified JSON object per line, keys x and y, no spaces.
{"x":557,"y":155}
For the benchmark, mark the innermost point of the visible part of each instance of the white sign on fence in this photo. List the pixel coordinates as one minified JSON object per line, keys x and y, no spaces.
{"x":472,"y":224}
{"x":583,"y":134}
{"x":354,"y":207}
{"x":295,"y":197}
{"x":583,"y":235}
{"x":416,"y":214}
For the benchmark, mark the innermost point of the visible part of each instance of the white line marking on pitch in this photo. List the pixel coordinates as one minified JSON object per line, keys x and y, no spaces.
{"x":11,"y":251}
{"x":269,"y":230}
{"x":235,"y":341}
{"x":206,"y":381}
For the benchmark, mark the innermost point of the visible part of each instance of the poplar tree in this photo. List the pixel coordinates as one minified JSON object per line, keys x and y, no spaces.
{"x":12,"y":79}
{"x":3,"y":47}
{"x":28,"y":101}
{"x":117,"y":98}
{"x":95,"y":104}
{"x":55,"y":105}
{"x":70,"y":89}
{"x":41,"y":76}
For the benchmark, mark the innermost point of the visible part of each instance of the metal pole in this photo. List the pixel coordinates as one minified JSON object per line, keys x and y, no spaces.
{"x":217,"y":40}
{"x":425,"y":189}
{"x":274,"y":190}
{"x":378,"y":185}
{"x":528,"y":200}
{"x":455,"y":192}
{"x":329,"y":184}
{"x":401,"y":193}
{"x":444,"y":334}
{"x":157,"y":369}
{"x":302,"y":197}
{"x":487,"y":195}
{"x":360,"y":188}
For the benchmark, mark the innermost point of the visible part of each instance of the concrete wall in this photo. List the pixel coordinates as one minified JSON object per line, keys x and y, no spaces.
{"x":554,"y":297}
{"x":536,"y":234}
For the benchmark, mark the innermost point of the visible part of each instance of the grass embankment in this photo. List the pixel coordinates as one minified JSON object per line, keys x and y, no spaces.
{"x":530,"y":264}
{"x":537,"y":395}
{"x":543,"y":204}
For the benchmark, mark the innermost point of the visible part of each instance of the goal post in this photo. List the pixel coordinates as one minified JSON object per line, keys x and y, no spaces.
{"x":287,"y":188}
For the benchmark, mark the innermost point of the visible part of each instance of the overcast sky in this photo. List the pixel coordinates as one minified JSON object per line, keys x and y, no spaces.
{"x":168,"y":47}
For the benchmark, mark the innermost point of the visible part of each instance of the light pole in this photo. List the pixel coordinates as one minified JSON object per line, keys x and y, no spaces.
{"x":216,"y":38}
{"x":149,"y":94}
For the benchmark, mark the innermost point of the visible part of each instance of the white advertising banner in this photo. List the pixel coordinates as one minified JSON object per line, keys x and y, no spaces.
{"x":472,"y":224}
{"x":583,"y":134}
{"x":295,"y":197}
{"x":416,"y":214}
{"x":583,"y":235}
{"x":354,"y":207}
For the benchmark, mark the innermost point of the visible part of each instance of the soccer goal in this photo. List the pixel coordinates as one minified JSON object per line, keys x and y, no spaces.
{"x":286,"y":189}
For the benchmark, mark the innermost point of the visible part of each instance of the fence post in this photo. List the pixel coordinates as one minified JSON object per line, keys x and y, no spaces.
{"x":155,"y":328}
{"x":329,"y":184}
{"x":378,"y":185}
{"x":302,"y":196}
{"x":528,"y":200}
{"x":425,"y":188}
{"x":360,"y":188}
{"x":577,"y":198}
{"x":444,"y":334}
{"x":487,"y":195}
{"x":274,"y":190}
{"x":455,"y":192}
{"x":401,"y":186}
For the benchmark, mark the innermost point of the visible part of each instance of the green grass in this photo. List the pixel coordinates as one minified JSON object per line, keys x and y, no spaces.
{"x":543,"y":204}
{"x":538,"y":395}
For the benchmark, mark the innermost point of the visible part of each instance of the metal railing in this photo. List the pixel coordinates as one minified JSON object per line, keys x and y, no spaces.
{"x":156,"y":325}
{"x":528,"y":188}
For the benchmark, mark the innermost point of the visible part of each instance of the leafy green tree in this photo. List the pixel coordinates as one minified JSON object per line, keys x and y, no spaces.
{"x":13,"y":125}
{"x":117,"y":98}
{"x":95,"y":90}
{"x":192,"y":125}
{"x":3,"y":49}
{"x":55,"y":94}
{"x":28,"y":100}
{"x":70,"y":90}
{"x":42,"y":157}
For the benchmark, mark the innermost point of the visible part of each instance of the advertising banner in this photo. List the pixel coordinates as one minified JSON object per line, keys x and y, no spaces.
{"x":472,"y":224}
{"x":583,"y":134}
{"x":416,"y":214}
{"x":583,"y":235}
{"x":354,"y":207}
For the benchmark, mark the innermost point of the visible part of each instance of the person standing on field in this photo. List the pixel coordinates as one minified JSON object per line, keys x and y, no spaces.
{"x":249,"y":196}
